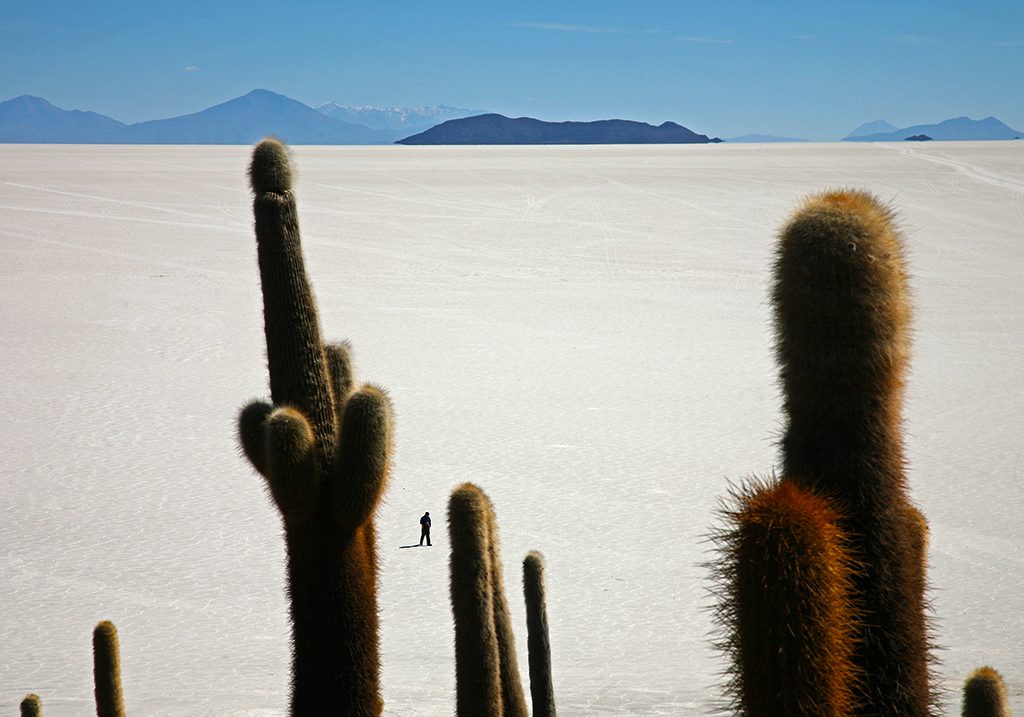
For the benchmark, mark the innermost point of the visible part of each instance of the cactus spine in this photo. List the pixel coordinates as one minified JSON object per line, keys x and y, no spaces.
{"x":324,"y":450}
{"x":487,"y":682}
{"x":542,"y":691}
{"x":985,"y":695}
{"x":32,"y":706}
{"x":106,"y":660}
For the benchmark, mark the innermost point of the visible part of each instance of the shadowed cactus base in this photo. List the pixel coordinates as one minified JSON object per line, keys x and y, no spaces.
{"x":324,"y":449}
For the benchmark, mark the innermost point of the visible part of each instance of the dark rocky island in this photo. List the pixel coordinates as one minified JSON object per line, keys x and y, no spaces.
{"x":498,"y":129}
{"x":918,"y":138}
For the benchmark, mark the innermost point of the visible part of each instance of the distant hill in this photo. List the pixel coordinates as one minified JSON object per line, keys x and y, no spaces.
{"x":498,"y":129}
{"x":959,"y":128}
{"x":29,"y":119}
{"x":395,"y":118}
{"x":247,"y":119}
{"x":874,"y":127}
{"x":761,"y":138}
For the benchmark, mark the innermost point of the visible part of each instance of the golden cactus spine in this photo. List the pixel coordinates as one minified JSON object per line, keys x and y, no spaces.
{"x":106,"y":659}
{"x":324,"y":450}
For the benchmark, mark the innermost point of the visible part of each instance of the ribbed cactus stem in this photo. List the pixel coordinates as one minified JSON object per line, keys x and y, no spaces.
{"x":542,"y":691}
{"x":107,"y":671}
{"x":842,"y":317}
{"x":985,"y":694}
{"x":32,"y":706}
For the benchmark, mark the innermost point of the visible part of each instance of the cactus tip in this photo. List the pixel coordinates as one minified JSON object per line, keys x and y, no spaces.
{"x":270,"y":170}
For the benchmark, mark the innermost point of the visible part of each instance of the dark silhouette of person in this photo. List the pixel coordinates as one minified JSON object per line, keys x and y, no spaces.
{"x":425,"y":528}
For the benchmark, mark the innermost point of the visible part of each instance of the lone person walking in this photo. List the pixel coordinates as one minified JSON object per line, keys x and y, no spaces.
{"x":425,"y":528}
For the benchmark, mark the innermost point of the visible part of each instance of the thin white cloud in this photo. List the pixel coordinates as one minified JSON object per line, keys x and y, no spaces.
{"x":696,"y":40}
{"x":570,"y":27}
{"x":190,"y":68}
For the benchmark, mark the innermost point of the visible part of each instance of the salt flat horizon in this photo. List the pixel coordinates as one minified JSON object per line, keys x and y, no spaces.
{"x":582,"y":331}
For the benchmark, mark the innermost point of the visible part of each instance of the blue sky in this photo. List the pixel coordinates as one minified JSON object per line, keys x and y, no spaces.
{"x":804,"y":69}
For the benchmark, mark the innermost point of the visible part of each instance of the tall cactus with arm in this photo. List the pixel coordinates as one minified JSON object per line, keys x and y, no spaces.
{"x":324,"y":451}
{"x":842,"y":319}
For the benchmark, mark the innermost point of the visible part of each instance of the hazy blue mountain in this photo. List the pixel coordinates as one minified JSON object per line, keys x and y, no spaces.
{"x":408,"y":119}
{"x":247,"y":119}
{"x":498,"y":129}
{"x":761,"y":138}
{"x":958,"y":128}
{"x":29,"y":119}
{"x":873,"y":127}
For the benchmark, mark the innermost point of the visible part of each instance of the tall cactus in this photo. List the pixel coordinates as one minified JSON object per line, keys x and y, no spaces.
{"x":106,"y":659}
{"x":542,"y":691}
{"x":32,"y":706}
{"x":985,"y":694}
{"x":324,"y":450}
{"x":786,"y":604}
{"x":842,"y":317}
{"x":487,"y":682}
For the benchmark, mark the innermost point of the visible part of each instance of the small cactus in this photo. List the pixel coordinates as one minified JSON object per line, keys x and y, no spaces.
{"x":32,"y":706}
{"x":542,"y":691}
{"x":985,"y":695}
{"x":107,"y":671}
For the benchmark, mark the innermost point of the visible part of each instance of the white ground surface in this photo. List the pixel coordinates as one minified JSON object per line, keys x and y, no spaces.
{"x":582,"y":331}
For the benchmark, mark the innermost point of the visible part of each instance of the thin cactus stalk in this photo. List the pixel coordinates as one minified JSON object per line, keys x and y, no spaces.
{"x":32,"y":706}
{"x":324,"y":450}
{"x":107,"y":671}
{"x":478,"y":672}
{"x":985,"y":695}
{"x":542,"y":691}
{"x":786,"y":588}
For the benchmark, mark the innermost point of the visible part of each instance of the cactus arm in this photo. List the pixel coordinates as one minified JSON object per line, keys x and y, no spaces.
{"x":295,"y":352}
{"x":293,"y":479}
{"x":985,"y":695}
{"x":251,"y":420}
{"x":364,"y":457}
{"x":339,"y":364}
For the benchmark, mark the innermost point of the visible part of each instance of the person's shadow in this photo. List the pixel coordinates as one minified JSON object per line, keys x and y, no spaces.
{"x":414,"y":545}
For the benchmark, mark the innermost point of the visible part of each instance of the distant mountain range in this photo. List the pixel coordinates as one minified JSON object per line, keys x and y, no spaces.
{"x":498,"y":129}
{"x":243,"y":120}
{"x":405,"y":120}
{"x":959,"y":128}
{"x":874,"y":127}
